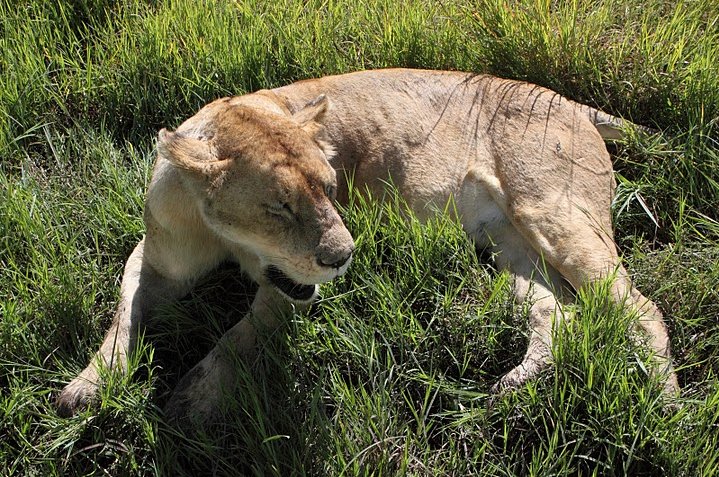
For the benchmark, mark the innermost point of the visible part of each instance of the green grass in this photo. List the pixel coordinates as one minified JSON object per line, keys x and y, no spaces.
{"x":389,"y":374}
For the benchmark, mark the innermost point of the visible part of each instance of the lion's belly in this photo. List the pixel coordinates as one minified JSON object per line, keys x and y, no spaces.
{"x":474,"y":198}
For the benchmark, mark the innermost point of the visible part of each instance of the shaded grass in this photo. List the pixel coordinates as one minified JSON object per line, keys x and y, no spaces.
{"x":389,"y":374}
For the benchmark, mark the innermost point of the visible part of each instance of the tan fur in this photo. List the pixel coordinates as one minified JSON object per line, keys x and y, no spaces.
{"x":253,"y":178}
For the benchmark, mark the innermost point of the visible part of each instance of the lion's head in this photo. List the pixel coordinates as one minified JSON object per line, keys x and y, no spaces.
{"x":263,"y":181}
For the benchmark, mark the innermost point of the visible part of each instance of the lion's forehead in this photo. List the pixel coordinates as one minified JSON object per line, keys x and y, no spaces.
{"x":242,"y":130}
{"x":310,"y":177}
{"x":271,"y":149}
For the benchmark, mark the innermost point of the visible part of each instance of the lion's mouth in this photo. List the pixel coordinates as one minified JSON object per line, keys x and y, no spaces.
{"x":294,"y":290}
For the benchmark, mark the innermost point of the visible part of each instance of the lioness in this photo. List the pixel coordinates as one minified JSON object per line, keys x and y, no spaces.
{"x":255,"y":179}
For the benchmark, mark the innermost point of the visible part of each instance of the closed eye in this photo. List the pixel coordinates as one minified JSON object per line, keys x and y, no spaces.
{"x":280,"y":209}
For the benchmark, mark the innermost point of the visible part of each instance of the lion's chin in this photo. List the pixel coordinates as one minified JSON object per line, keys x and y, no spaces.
{"x":291,"y":289}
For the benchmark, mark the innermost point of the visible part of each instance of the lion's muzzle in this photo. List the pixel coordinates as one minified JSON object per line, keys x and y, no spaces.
{"x":336,"y":261}
{"x":336,"y":246}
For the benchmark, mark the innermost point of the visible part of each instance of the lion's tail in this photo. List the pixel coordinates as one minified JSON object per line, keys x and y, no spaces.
{"x":612,"y":128}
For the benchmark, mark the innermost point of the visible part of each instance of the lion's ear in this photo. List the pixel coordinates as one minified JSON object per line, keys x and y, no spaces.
{"x":314,"y":111}
{"x":311,"y":117}
{"x":188,"y":153}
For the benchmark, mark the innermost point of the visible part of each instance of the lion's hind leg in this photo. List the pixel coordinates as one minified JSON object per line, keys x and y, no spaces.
{"x":584,"y":252}
{"x":650,"y":321}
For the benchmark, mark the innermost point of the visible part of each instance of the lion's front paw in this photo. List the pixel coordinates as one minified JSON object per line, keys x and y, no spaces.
{"x":195,"y":400}
{"x":515,"y":378}
{"x":75,"y":396}
{"x":509,"y":382}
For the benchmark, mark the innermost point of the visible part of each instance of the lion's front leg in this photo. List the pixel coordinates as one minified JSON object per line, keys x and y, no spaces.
{"x":142,"y":289}
{"x":198,"y":395}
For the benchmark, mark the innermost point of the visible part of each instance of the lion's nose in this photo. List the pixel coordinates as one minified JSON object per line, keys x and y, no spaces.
{"x":334,"y":262}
